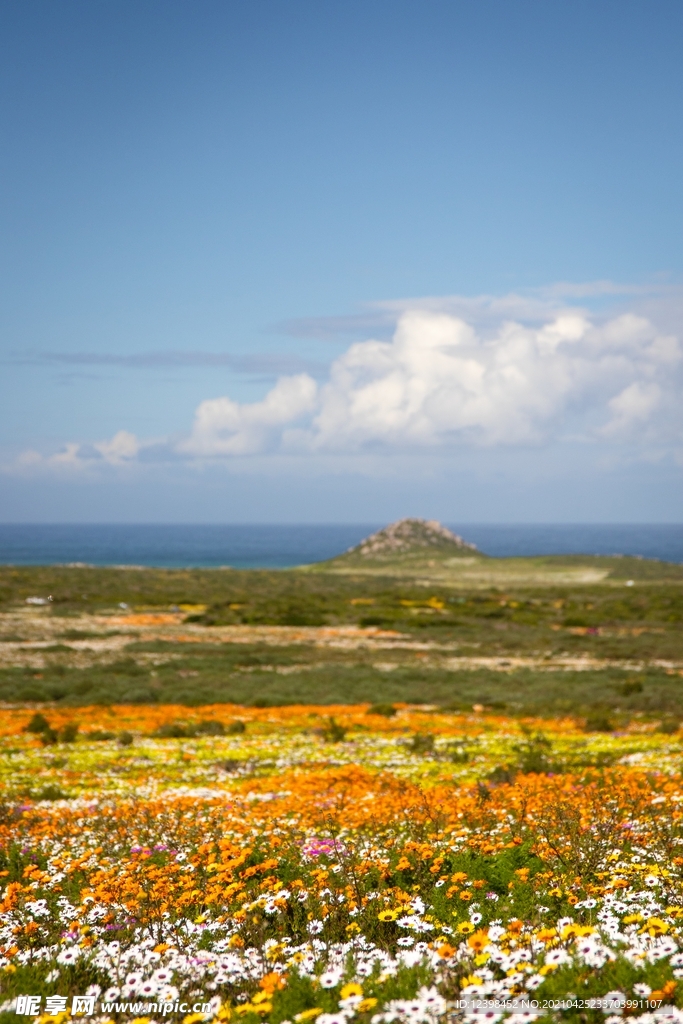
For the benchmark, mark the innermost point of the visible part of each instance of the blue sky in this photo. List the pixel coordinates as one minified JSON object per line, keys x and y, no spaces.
{"x":341,"y":261}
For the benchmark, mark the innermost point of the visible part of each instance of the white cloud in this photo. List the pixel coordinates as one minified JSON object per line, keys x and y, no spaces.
{"x":442,"y":382}
{"x":632,"y":407}
{"x":435,"y":380}
{"x":122,"y":447}
{"x":439,"y":382}
{"x":223,"y":427}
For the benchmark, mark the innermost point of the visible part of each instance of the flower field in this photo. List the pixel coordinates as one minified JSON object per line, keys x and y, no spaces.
{"x":337,"y":864}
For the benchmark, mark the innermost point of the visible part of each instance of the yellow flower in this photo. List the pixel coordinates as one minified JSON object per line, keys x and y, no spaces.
{"x":655,"y":926}
{"x":466,"y":928}
{"x":309,"y":1014}
{"x":351,"y":989}
{"x":366,"y":1004}
{"x":387,"y":915}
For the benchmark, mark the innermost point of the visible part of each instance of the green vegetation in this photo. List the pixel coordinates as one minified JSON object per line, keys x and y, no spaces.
{"x":251,"y":675}
{"x":313,"y":597}
{"x":598,"y":637}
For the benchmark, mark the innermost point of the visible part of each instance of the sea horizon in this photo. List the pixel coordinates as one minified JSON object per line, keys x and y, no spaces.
{"x":284,"y":545}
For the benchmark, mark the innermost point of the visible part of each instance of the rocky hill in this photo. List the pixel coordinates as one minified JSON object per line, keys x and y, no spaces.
{"x":406,"y":546}
{"x":409,"y":536}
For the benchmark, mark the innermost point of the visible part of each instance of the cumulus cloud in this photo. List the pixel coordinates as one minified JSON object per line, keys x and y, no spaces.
{"x":223,"y":427}
{"x":123,"y":447}
{"x":631,"y":407}
{"x":441,"y":382}
{"x":438,"y":381}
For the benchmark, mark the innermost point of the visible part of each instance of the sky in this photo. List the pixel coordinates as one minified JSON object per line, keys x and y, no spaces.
{"x":341,"y":262}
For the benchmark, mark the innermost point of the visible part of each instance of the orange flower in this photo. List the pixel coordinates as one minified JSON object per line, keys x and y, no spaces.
{"x":479,"y":940}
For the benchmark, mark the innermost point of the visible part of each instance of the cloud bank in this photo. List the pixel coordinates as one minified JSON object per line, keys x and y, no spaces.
{"x":442,"y":383}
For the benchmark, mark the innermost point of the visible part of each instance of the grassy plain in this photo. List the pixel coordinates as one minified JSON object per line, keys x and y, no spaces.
{"x":579,"y":635}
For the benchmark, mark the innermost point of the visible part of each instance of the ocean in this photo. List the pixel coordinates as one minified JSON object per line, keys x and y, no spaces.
{"x":262,"y":546}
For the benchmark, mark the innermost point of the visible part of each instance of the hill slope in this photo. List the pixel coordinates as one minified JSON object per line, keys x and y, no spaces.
{"x":407,"y":543}
{"x":424,"y":549}
{"x":407,"y":536}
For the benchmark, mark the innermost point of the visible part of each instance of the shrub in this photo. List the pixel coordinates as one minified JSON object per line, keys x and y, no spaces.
{"x":459,"y":754}
{"x":37,"y":724}
{"x":533,"y":755}
{"x":171,"y":731}
{"x":333,"y":732}
{"x":211,"y":729}
{"x":50,"y":792}
{"x":372,"y":620}
{"x":30,"y":694}
{"x":125,"y":738}
{"x":669,"y":725}
{"x":422,"y":743}
{"x":598,"y":721}
{"x":68,"y":733}
{"x":235,"y":728}
{"x":388,"y":710}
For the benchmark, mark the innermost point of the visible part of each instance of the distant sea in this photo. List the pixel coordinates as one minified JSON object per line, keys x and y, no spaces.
{"x":281,"y":546}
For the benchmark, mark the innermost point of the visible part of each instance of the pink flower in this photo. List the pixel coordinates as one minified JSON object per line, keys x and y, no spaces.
{"x":316,"y":846}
